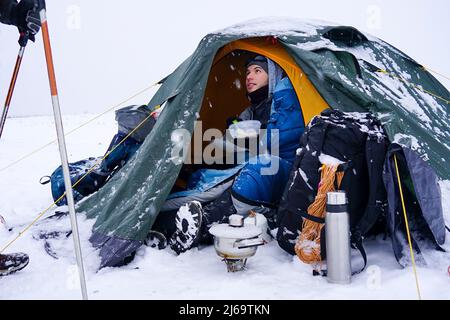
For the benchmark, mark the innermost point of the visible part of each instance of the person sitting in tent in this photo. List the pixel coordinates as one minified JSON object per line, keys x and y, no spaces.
{"x":257,"y":85}
{"x":256,"y":184}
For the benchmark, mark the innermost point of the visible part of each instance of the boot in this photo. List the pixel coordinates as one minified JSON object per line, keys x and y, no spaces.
{"x":188,"y":222}
{"x":192,"y":225}
{"x":156,"y":239}
{"x":217,"y":211}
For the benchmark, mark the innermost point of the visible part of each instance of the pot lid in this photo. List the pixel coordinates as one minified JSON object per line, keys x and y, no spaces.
{"x":224,"y":230}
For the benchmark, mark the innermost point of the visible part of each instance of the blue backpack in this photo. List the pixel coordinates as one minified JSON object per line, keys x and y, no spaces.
{"x":128,"y":119}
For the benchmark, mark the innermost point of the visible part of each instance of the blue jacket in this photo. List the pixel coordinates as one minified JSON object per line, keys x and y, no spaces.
{"x":287,"y":117}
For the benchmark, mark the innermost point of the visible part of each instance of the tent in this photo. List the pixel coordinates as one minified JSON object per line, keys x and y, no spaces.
{"x":330,"y":66}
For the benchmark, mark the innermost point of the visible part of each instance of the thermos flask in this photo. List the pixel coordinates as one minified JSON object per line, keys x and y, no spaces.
{"x":337,"y":234}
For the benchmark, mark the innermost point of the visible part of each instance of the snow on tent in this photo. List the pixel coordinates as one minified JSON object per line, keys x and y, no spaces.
{"x":330,"y":66}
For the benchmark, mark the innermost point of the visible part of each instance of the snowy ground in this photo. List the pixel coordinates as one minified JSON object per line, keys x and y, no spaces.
{"x":154,"y":274}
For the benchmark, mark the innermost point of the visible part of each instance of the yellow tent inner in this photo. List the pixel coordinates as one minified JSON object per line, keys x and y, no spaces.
{"x":225,"y":94}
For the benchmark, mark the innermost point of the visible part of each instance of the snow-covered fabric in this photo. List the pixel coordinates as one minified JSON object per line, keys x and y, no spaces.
{"x":422,"y":199}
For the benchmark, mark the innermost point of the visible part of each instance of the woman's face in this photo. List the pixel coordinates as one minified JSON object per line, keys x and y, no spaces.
{"x":256,"y":78}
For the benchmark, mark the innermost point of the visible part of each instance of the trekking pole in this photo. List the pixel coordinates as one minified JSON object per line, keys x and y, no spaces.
{"x":62,"y":145}
{"x":23,"y":41}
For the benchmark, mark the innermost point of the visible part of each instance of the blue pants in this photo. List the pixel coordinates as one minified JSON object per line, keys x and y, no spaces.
{"x":262,"y":181}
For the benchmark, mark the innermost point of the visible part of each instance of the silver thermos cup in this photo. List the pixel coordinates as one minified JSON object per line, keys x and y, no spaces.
{"x":337,"y":234}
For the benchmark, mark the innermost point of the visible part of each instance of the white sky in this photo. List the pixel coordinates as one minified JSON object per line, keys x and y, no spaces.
{"x":106,"y":50}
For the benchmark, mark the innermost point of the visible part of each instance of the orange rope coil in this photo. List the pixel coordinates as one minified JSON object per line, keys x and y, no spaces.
{"x":307,"y":247}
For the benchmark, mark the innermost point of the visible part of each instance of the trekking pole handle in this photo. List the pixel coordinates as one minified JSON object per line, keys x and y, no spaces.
{"x":23,"y":39}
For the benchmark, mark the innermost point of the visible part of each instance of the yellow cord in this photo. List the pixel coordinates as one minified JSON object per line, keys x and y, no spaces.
{"x":76,"y":183}
{"x":71,"y":131}
{"x":407,"y":229}
{"x":414,"y":85}
{"x":442,"y":75}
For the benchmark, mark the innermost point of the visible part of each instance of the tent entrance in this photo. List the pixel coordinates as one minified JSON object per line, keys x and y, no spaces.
{"x":225,"y":93}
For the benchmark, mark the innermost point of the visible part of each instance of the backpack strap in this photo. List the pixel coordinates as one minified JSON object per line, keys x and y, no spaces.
{"x":324,"y":133}
{"x":357,"y":241}
{"x":306,"y":215}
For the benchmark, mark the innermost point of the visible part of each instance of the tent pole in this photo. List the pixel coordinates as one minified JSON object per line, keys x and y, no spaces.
{"x":62,"y":149}
{"x":11,"y":88}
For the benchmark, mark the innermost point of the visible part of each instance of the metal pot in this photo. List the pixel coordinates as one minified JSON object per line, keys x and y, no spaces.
{"x":231,"y":248}
{"x":235,"y":242}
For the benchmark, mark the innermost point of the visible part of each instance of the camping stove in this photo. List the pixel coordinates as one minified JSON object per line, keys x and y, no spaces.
{"x":236,"y":242}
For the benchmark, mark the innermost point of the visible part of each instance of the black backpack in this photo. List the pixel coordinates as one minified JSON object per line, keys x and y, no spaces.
{"x":356,"y":139}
